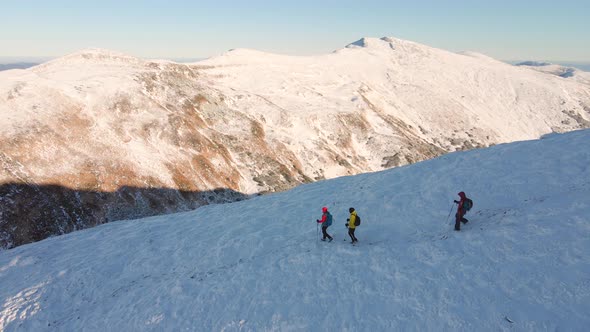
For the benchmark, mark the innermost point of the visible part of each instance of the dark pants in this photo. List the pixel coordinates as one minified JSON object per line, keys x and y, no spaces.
{"x":351,"y":234}
{"x":458,"y":220}
{"x":325,"y":232}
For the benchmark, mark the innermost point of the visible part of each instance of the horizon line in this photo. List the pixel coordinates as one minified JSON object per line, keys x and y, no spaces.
{"x":41,"y":59}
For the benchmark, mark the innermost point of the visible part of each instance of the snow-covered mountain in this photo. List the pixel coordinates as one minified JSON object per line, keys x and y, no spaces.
{"x":98,"y":136}
{"x":520,"y":264}
{"x":558,"y":70}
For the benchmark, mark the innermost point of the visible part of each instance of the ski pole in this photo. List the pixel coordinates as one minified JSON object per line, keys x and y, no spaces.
{"x":450,"y":213}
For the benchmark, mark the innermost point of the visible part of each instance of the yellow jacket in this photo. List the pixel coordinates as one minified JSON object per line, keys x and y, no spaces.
{"x":352,"y":219}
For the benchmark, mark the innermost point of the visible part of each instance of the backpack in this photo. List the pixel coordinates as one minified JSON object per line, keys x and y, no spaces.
{"x":357,"y":221}
{"x":467,"y":204}
{"x":328,"y":219}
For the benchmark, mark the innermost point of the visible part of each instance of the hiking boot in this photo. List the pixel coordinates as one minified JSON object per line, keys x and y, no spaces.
{"x":330,"y":240}
{"x":323,"y":240}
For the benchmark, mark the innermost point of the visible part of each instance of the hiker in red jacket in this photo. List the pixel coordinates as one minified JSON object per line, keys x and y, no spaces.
{"x":326,"y":222}
{"x":460,"y":212}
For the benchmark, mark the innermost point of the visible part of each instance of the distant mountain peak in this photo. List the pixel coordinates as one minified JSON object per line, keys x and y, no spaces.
{"x":368,"y":42}
{"x":94,"y":55}
{"x":533,"y":64}
{"x":555,"y":69}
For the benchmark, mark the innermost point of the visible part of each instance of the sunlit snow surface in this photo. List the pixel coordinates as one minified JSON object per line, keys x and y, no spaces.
{"x":521,"y":263}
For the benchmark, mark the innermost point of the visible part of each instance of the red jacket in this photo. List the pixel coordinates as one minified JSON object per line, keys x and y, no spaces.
{"x":324,"y":215}
{"x":460,"y":210}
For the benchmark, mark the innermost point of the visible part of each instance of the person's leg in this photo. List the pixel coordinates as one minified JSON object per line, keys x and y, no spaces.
{"x":328,"y":235}
{"x":354,"y":239}
{"x":351,"y":234}
{"x":458,"y":222}
{"x":325,"y":233}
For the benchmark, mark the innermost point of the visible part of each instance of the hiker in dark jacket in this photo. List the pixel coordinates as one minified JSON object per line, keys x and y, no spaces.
{"x":460,"y":212}
{"x":351,"y":226}
{"x":326,"y":222}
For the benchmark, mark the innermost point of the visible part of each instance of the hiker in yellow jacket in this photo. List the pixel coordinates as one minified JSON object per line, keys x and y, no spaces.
{"x":351,"y":225}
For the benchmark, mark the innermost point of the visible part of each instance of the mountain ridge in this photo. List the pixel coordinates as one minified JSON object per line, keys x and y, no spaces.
{"x":254,"y":123}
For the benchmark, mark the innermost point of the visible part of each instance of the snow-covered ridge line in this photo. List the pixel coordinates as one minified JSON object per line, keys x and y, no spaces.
{"x":251,"y":122}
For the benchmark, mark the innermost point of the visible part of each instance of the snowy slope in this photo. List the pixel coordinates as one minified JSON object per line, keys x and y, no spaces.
{"x":256,"y":265}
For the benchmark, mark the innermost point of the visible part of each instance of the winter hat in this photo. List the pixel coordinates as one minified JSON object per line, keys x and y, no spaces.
{"x":324,"y":209}
{"x":351,"y":210}
{"x":461,"y":194}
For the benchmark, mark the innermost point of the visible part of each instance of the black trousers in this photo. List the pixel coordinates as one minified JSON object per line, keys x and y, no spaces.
{"x":325,"y":232}
{"x":458,"y":220}
{"x":351,"y":234}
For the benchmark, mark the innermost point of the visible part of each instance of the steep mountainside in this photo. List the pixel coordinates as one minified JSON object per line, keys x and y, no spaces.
{"x":98,"y":136}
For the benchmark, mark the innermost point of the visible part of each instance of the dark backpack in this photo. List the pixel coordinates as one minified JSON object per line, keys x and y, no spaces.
{"x":328,"y":219}
{"x":467,"y":204}
{"x":357,"y":221}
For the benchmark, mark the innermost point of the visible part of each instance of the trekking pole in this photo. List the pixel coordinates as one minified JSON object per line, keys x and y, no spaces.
{"x":317,"y":231}
{"x":450,"y":213}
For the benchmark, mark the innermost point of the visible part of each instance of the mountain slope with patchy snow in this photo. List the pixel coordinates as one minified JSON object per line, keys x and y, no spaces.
{"x":98,"y":136}
{"x":521,"y":262}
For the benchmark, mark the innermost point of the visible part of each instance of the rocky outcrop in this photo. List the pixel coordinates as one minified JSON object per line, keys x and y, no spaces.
{"x":31,"y":213}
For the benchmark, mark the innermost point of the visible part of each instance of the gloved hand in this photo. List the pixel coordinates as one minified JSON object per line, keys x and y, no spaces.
{"x":456,"y":202}
{"x":346,"y":225}
{"x":347,"y":219}
{"x":317,"y":220}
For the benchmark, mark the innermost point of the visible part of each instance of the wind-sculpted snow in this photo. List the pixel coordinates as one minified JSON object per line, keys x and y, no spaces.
{"x":521,"y":263}
{"x":251,"y":122}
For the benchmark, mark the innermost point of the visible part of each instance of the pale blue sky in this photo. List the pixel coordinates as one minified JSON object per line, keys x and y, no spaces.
{"x":506,"y":30}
